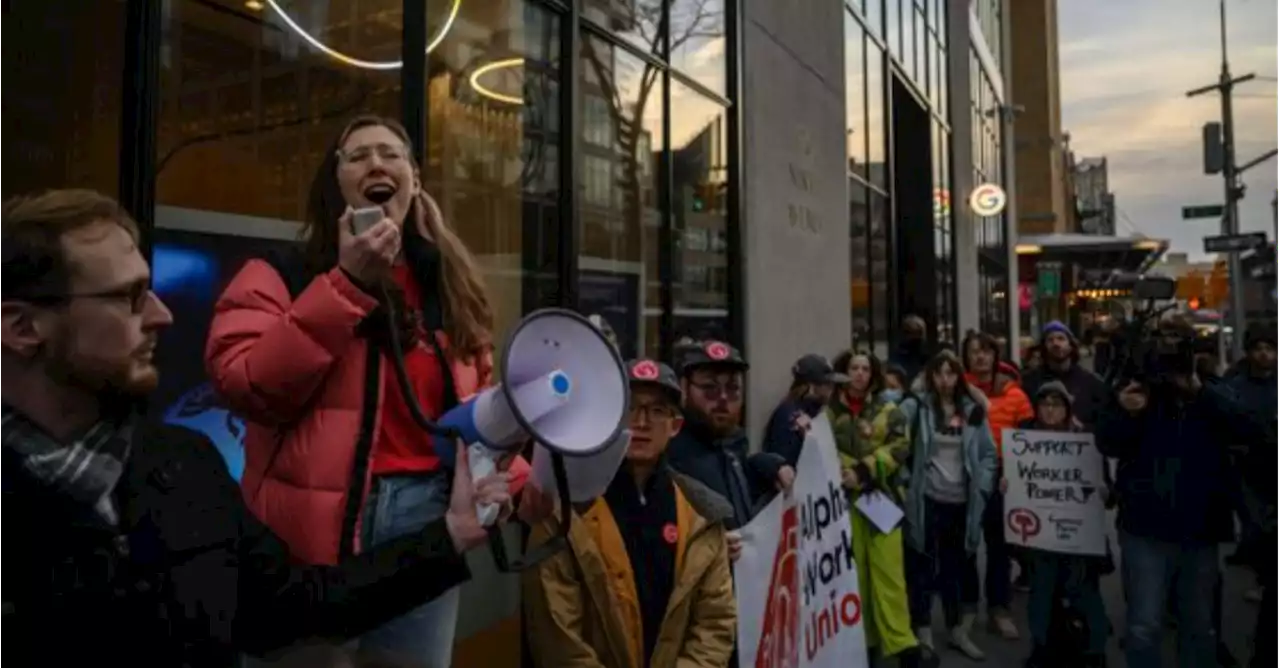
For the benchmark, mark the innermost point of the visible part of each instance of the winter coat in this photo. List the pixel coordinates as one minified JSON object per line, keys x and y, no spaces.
{"x":1008,"y":407}
{"x":875,"y":441}
{"x":582,"y":609}
{"x":308,"y":380}
{"x":747,"y":482}
{"x":979,"y":461}
{"x":1088,"y":390}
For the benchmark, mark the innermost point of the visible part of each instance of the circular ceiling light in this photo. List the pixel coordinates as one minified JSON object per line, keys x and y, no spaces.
{"x":495,"y":66}
{"x":356,"y":62}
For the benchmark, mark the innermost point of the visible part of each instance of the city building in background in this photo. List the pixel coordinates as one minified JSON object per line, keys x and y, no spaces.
{"x":1095,"y":203}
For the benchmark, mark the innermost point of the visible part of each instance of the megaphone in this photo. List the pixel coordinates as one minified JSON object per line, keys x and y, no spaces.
{"x":564,"y":386}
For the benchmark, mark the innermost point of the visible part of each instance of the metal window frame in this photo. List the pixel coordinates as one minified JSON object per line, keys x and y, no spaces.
{"x":140,"y":116}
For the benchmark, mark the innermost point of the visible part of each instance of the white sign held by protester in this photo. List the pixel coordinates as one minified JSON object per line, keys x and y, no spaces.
{"x":796,"y":581}
{"x":1055,"y":497}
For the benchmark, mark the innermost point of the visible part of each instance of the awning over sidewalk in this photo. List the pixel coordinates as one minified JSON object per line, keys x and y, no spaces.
{"x":1096,"y":257}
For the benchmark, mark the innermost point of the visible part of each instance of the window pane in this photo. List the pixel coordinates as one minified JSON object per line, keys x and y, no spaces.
{"x":248,"y":112}
{"x":61,"y":134}
{"x":698,"y":40}
{"x":699,"y":162}
{"x":874,"y":14}
{"x":879,"y":252}
{"x":492,"y":147}
{"x":893,"y":25}
{"x":860,"y":263}
{"x":620,"y":217}
{"x":855,"y":97}
{"x":876,"y":117}
{"x":637,"y":21}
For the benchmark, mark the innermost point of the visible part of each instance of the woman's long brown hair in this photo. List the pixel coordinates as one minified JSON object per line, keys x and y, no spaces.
{"x":468,"y":316}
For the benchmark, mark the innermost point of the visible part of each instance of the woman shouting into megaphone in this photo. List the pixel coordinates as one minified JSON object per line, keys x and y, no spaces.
{"x":334,"y":460}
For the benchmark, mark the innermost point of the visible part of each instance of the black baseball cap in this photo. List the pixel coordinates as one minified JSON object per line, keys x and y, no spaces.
{"x":651,"y":372}
{"x":711,"y":353}
{"x":814,"y":368}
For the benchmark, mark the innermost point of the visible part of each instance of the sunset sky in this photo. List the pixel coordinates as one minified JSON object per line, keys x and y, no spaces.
{"x":1126,"y":66}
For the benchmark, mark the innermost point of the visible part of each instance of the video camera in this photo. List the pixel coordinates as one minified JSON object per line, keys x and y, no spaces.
{"x":1148,"y":350}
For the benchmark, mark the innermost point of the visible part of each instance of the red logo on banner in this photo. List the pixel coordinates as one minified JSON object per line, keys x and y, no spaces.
{"x":645,"y":370}
{"x":717,"y":351}
{"x":670,"y":534}
{"x":780,"y":636}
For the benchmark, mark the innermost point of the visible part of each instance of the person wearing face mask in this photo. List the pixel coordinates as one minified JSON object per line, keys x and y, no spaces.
{"x":871,"y":438}
{"x":813,"y":381}
{"x":334,"y":461}
{"x":712,"y":446}
{"x":951,"y":475}
{"x":662,"y":533}
{"x":1008,"y":406}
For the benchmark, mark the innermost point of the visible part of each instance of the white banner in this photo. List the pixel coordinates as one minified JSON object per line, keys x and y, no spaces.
{"x":797,"y":584}
{"x":1054,"y":500}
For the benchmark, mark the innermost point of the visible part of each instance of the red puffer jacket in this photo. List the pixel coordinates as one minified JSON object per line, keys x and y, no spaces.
{"x":1009,"y":404}
{"x":310,"y":390}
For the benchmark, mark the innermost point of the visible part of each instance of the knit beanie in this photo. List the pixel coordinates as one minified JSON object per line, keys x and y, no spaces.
{"x":1056,"y":326}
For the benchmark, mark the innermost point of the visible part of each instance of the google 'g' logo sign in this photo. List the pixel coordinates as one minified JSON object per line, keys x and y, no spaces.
{"x":988,"y":199}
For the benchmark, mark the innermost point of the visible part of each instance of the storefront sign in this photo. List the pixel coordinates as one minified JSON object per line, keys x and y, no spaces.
{"x":1054,"y":499}
{"x":988,"y":199}
{"x":797,"y":583}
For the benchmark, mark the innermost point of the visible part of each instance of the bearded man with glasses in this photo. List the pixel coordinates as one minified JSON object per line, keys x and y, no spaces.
{"x":713,"y":447}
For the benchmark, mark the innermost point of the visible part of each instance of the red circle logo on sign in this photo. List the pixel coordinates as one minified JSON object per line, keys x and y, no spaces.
{"x":645,"y":370}
{"x":1023,"y":523}
{"x":717,"y":351}
{"x":670,"y":533}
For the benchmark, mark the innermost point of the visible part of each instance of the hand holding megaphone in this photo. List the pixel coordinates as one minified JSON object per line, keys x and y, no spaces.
{"x":564,"y":386}
{"x":466,"y":527}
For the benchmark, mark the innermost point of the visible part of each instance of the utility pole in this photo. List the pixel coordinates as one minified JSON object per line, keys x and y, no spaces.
{"x":1232,"y":187}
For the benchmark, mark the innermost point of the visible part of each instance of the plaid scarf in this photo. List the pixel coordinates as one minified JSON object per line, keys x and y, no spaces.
{"x":86,"y":469}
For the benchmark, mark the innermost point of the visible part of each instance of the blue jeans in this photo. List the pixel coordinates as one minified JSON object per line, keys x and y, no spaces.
{"x":401,"y":505}
{"x":1055,"y":576}
{"x":1152,"y":570}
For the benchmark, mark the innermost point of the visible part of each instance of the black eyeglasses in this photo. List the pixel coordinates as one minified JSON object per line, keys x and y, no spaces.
{"x":714,"y":391}
{"x":135,"y":295}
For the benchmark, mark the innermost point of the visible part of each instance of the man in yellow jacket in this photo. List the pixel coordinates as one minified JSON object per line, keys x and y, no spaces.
{"x":645,"y":582}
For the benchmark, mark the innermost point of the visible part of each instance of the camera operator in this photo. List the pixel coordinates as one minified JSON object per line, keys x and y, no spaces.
{"x":1170,"y":432}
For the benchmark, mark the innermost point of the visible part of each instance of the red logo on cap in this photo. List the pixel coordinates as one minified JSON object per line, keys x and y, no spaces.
{"x":717,"y":351}
{"x":645,"y":370}
{"x":670,"y":533}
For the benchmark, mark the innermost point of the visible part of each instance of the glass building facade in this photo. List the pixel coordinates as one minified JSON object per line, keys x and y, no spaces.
{"x":581,"y":149}
{"x":901,"y":219}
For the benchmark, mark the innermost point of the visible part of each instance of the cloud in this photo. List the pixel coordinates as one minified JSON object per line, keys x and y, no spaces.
{"x":1126,"y":67}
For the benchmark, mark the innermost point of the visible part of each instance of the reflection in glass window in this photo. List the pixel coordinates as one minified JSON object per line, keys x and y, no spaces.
{"x":877,"y":119}
{"x":248,"y":109}
{"x":639,"y":22}
{"x":855,"y":96}
{"x":893,"y":25}
{"x":698,"y":41}
{"x":879,"y":252}
{"x":699,"y":171}
{"x":492,"y":136}
{"x":620,"y":229}
{"x":860,"y":263}
{"x":60,"y":134}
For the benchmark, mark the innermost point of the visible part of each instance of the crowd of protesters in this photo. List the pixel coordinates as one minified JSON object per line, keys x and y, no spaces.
{"x":134,"y":545}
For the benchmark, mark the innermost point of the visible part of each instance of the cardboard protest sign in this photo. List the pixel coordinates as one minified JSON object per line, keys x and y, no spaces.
{"x":1055,"y":498}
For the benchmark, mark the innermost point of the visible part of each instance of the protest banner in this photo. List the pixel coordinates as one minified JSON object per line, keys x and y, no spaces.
{"x":796,"y":581}
{"x":1054,"y":500}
